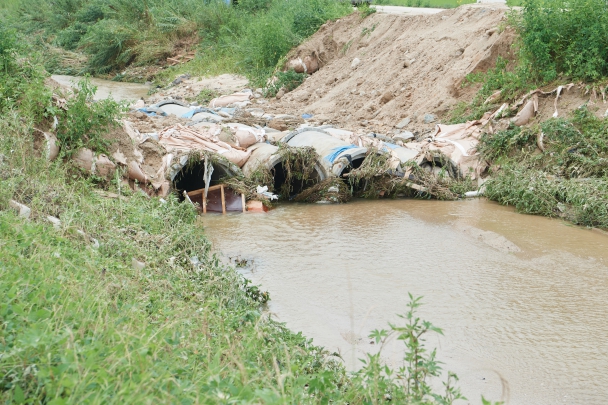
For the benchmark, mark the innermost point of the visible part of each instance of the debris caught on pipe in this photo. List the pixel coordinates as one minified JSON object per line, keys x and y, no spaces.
{"x":264,"y":191}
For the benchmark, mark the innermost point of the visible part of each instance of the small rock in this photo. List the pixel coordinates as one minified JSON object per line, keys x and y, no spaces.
{"x":137,"y":265}
{"x":242,"y":104}
{"x":404,"y":136}
{"x":278,"y":124}
{"x":280,"y":93}
{"x":356,"y":62}
{"x":180,"y":79}
{"x":194,"y":104}
{"x":55,"y":221}
{"x":139,"y":104}
{"x":386,"y":97}
{"x":406,"y":64}
{"x":23,"y":210}
{"x":256,"y":112}
{"x":428,"y":118}
{"x":459,"y":52}
{"x":403,"y":123}
{"x":333,"y":189}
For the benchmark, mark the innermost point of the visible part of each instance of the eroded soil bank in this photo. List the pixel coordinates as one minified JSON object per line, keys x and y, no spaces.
{"x":521,"y":299}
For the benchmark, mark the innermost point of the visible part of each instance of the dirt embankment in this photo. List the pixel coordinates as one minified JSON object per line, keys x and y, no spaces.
{"x":378,"y":71}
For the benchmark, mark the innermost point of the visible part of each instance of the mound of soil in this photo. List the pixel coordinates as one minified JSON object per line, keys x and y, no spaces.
{"x":377,"y":71}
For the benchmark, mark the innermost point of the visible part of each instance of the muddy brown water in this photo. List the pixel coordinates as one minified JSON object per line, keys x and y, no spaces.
{"x":521,"y":299}
{"x":106,"y":88}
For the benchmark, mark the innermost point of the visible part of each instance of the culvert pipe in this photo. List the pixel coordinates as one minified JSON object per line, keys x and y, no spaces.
{"x":337,"y":157}
{"x":266,"y":155}
{"x":191,"y":176}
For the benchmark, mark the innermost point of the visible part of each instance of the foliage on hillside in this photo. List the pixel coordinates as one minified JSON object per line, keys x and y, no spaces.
{"x":250,"y":37}
{"x":564,"y":174}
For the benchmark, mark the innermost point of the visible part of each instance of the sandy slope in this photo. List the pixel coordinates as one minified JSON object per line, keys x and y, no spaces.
{"x":410,"y":66}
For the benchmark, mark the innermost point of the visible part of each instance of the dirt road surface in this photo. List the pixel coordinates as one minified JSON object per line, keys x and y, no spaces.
{"x":407,"y":10}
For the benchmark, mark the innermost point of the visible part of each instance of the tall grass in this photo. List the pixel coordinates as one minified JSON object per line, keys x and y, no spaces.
{"x":252,"y":36}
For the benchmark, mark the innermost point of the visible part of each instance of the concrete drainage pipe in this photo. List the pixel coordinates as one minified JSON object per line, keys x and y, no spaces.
{"x":190,"y":177}
{"x":337,"y":157}
{"x":264,"y":154}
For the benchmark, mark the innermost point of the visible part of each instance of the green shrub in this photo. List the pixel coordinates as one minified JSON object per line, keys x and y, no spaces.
{"x":565,"y":37}
{"x":288,"y":80}
{"x":85,"y":122}
{"x":109,"y":45}
{"x":8,"y":46}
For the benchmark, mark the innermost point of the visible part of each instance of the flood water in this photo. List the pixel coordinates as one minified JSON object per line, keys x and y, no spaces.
{"x":106,"y":88}
{"x":521,"y":299}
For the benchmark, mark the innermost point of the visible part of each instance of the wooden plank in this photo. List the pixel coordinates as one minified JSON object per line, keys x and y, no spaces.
{"x":202,"y":190}
{"x":243,"y":202}
{"x":223,"y":199}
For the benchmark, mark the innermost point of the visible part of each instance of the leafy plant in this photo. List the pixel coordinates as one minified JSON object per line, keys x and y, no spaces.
{"x":365,"y":10}
{"x":565,"y":37}
{"x":288,"y":80}
{"x":409,"y":384}
{"x":84,"y":122}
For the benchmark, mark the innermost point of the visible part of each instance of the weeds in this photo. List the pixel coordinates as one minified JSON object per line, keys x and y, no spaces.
{"x":365,"y":10}
{"x":288,"y":80}
{"x":249,"y":38}
{"x":84,"y":123}
{"x":565,"y":38}
{"x":206,"y":95}
{"x":409,"y":384}
{"x":566,"y":179}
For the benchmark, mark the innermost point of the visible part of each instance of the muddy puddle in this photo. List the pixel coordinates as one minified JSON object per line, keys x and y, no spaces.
{"x":521,"y":299}
{"x":107,"y":88}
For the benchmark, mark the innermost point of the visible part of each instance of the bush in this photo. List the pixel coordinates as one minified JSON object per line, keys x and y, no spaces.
{"x":251,"y":36}
{"x":85,"y":122}
{"x":289,"y":80}
{"x":109,"y":44}
{"x":565,"y":37}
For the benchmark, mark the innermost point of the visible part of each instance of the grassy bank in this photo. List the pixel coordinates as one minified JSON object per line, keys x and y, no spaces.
{"x":249,"y":38}
{"x":557,"y":166}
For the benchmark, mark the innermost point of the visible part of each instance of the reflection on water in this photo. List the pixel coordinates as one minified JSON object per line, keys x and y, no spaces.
{"x":521,"y":299}
{"x":106,"y":88}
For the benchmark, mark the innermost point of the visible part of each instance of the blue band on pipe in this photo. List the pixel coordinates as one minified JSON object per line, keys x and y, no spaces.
{"x":335,"y":152}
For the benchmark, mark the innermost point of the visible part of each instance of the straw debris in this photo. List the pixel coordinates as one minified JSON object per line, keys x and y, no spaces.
{"x":332,"y":190}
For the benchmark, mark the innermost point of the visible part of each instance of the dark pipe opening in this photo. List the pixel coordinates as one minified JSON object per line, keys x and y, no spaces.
{"x":191,"y":177}
{"x":355,"y":164}
{"x":297,"y":186}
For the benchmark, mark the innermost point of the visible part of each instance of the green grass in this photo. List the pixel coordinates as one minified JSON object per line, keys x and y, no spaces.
{"x":568,"y":179}
{"x":81,"y":325}
{"x":250,"y":38}
{"x":565,"y":175}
